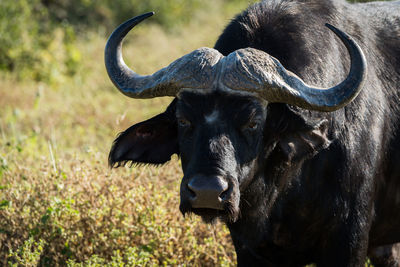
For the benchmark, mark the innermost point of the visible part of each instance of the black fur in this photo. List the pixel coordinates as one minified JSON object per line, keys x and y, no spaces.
{"x":318,"y":187}
{"x":136,"y":144}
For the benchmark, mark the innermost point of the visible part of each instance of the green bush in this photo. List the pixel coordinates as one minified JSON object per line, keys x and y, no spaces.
{"x":18,"y":35}
{"x":97,"y":14}
{"x":38,"y":36}
{"x":33,"y":47}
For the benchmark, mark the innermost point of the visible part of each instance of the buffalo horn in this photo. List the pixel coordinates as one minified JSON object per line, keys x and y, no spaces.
{"x":194,"y":70}
{"x":246,"y":69}
{"x":256,"y":71}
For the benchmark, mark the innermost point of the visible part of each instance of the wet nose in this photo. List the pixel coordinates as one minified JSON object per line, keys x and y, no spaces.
{"x":207,"y":192}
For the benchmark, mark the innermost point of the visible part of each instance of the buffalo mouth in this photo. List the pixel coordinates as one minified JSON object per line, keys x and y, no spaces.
{"x":228,"y":215}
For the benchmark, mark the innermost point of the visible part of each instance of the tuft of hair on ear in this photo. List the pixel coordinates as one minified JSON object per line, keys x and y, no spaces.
{"x":153,"y":142}
{"x":115,"y":161}
{"x":112,"y":161}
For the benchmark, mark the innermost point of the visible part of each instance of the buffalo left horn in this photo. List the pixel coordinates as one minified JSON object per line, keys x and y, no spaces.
{"x":194,"y":70}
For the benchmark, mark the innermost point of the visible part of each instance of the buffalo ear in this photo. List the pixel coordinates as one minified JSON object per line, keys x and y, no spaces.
{"x":297,"y":136}
{"x":305,"y":143}
{"x":151,"y":142}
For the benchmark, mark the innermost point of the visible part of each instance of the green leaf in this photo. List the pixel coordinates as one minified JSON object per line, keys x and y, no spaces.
{"x":4,"y":204}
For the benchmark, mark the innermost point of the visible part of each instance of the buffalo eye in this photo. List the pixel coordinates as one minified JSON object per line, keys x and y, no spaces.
{"x":182,"y":122}
{"x":252,"y":125}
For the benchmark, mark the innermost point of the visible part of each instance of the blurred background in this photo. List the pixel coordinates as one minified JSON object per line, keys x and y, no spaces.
{"x":60,"y":204}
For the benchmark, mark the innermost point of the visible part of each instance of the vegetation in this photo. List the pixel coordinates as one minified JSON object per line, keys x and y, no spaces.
{"x":59,"y":202}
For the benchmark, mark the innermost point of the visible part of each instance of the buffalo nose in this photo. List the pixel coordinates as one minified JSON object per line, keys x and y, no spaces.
{"x":207,"y":192}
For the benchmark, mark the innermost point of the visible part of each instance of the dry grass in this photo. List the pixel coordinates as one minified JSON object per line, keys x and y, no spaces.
{"x":59,"y":202}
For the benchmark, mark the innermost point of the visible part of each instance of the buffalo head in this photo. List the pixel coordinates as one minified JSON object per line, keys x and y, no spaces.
{"x":218,"y":122}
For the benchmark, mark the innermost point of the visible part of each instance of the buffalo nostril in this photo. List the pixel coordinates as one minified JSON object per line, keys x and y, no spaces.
{"x":224,"y":194}
{"x":191,"y":191}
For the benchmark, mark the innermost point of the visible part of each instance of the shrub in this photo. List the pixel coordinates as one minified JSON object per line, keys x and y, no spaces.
{"x":94,"y":14}
{"x":31,"y":46}
{"x":38,"y":36}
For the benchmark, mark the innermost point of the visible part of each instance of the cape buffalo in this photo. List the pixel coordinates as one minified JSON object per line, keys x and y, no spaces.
{"x":300,"y":174}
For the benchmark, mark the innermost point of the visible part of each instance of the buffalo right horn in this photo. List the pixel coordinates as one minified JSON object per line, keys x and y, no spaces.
{"x":255,"y":71}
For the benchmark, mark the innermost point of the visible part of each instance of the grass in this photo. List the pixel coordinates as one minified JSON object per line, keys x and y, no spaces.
{"x":60,"y":204}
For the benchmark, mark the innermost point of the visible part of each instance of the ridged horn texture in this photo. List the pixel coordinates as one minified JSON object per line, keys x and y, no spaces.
{"x":194,"y":70}
{"x":246,"y":69}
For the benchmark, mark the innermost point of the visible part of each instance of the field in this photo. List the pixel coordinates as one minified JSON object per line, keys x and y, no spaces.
{"x":60,"y":204}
